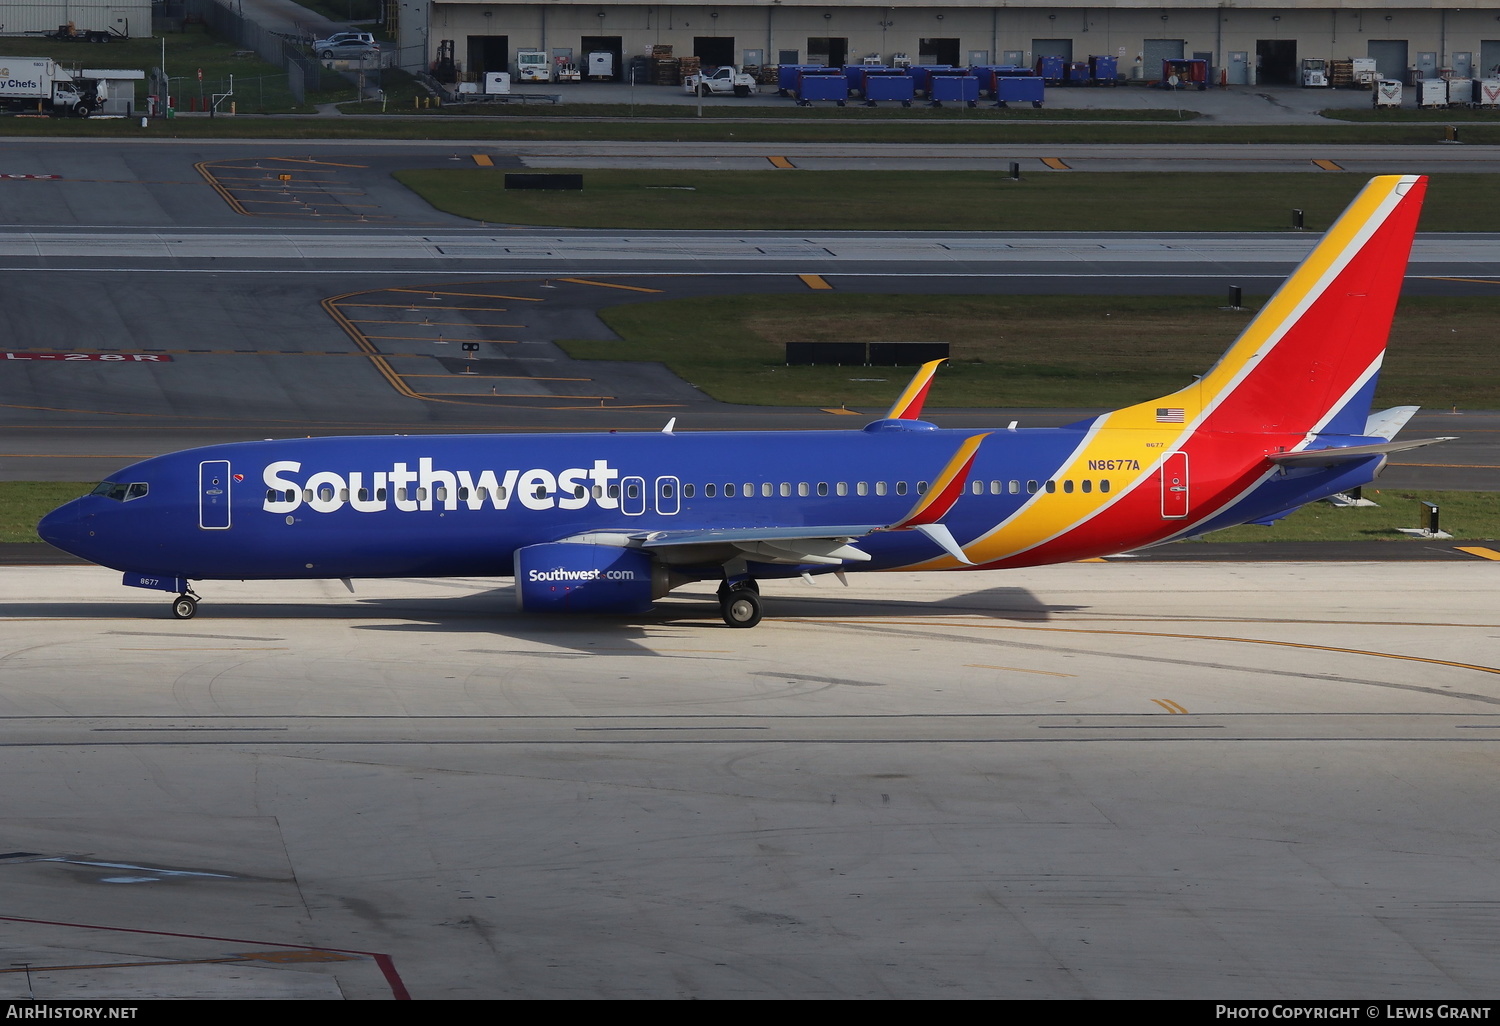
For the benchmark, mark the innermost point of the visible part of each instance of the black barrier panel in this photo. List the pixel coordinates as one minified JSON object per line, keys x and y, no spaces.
{"x":906,"y":354}
{"x":808,"y":354}
{"x":544,"y":181}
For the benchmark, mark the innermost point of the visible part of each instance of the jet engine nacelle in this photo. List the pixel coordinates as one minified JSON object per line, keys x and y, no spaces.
{"x":579,"y":577}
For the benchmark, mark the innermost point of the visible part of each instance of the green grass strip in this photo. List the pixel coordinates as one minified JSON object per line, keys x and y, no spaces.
{"x":794,"y":200}
{"x":1096,"y":352}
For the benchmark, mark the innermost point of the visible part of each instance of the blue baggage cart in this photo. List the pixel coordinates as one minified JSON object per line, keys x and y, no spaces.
{"x":1050,"y":69}
{"x":822,"y":84}
{"x":788,"y":74}
{"x":893,"y":84}
{"x":954,"y":87}
{"x":922,"y":75}
{"x":1103,"y":69}
{"x":1017,"y":89}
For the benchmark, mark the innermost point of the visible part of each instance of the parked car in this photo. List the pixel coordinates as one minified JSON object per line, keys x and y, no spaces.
{"x":338,"y":38}
{"x":349,"y":50}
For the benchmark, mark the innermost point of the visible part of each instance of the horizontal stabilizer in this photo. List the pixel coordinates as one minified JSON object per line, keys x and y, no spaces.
{"x":940,"y":534}
{"x":1348,"y":453}
{"x":1386,"y":423}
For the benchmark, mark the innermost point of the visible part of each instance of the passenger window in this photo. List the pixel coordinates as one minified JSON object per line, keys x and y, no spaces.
{"x":579,"y":492}
{"x":614,"y":491}
{"x":364,"y":494}
{"x":380,"y":495}
{"x":900,"y":487}
{"x":666,"y":491}
{"x":921,"y":487}
{"x":1088,"y":486}
{"x":767,"y":489}
{"x":1015,"y":488}
{"x":863,"y":488}
{"x":422,"y":494}
{"x":802,"y":489}
{"x":463,"y":494}
{"x":880,"y":487}
{"x":440,"y":493}
{"x":1104,"y":485}
{"x":977,"y":488}
{"x":687,"y":491}
{"x":822,"y":487}
{"x":786,"y":489}
{"x":307,"y":494}
{"x":1068,"y":487}
{"x":598,"y":492}
{"x":343,"y":495}
{"x":996,"y":487}
{"x":729,"y":490}
{"x":633,"y":492}
{"x":1051,"y":487}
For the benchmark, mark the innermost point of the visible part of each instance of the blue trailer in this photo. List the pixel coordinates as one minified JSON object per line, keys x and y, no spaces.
{"x":822,"y":84}
{"x":788,"y":74}
{"x":1104,"y":70}
{"x":986,"y":74}
{"x":889,"y":84}
{"x":953,"y":87}
{"x":855,"y":75}
{"x":922,"y":75}
{"x":1050,"y":69}
{"x":1016,"y":89}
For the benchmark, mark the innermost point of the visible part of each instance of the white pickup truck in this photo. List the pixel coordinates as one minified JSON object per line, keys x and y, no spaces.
{"x":720,"y":82}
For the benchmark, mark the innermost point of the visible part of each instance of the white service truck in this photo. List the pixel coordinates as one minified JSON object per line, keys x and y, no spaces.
{"x":533,"y":66}
{"x":39,"y":83}
{"x":721,"y":82}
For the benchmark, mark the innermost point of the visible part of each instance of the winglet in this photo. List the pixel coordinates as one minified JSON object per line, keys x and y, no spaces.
{"x":909,"y":406}
{"x":935,"y":503}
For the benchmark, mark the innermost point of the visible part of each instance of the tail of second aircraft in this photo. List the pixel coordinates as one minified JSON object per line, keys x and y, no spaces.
{"x":1308,"y":362}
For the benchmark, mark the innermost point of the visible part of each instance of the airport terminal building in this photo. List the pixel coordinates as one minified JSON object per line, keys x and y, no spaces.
{"x":1248,"y":42}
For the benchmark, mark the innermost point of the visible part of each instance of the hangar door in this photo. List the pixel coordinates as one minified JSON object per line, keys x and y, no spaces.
{"x":488,"y":53}
{"x":1489,"y":58}
{"x":1154,"y":51}
{"x":1276,"y":62}
{"x":1390,"y":58}
{"x":1052,"y":48}
{"x":937,"y":51}
{"x":829,"y":51}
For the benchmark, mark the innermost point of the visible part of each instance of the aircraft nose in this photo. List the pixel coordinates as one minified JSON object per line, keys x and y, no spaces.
{"x":61,"y":527}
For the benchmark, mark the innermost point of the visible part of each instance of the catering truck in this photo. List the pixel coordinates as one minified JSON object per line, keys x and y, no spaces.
{"x":38,"y":83}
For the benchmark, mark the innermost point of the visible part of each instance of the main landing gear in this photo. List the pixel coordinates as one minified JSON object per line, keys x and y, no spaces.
{"x":185,"y":606}
{"x":739,"y":603}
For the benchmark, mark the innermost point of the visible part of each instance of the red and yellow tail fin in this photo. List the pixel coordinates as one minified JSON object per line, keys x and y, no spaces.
{"x":1309,"y":359}
{"x":909,"y":406}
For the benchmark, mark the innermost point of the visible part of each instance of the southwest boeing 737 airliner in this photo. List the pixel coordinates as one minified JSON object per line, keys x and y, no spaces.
{"x":608,"y":523}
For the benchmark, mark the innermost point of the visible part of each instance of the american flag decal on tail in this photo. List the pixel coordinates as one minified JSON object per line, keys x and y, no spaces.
{"x":1169,"y":415}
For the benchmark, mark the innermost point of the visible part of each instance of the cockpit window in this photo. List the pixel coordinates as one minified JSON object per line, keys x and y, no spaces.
{"x":121,"y":491}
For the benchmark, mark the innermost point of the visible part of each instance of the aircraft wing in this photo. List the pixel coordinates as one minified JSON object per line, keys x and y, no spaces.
{"x":829,"y":546}
{"x":1348,"y":453}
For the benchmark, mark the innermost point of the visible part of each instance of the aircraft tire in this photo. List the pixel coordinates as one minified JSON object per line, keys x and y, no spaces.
{"x":725,"y":587}
{"x":185,"y":607}
{"x":741,"y":608}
